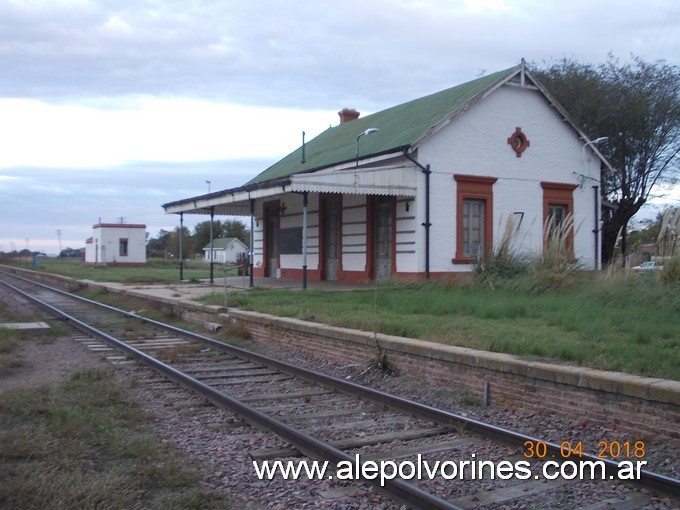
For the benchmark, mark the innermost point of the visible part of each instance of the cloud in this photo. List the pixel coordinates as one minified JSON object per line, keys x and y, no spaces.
{"x":39,"y":134}
{"x":318,"y":55}
{"x":38,"y":201}
{"x":109,"y":108}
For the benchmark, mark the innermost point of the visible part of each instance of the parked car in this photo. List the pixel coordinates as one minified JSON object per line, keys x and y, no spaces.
{"x":648,"y":267}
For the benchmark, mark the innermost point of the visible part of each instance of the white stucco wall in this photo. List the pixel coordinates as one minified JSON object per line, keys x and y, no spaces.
{"x":258,"y":242}
{"x":105,"y":246}
{"x":90,"y":248}
{"x":476,"y":144}
{"x":292,"y":218}
{"x":406,"y":235}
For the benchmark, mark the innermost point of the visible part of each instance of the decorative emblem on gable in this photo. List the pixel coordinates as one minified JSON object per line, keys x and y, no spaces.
{"x":518,"y":141}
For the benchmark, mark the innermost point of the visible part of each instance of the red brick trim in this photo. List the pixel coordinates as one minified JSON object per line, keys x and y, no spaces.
{"x":118,"y":225}
{"x":518,"y":141}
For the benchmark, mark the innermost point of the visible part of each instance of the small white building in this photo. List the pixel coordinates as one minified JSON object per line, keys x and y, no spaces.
{"x":120,"y":244}
{"x":225,"y":250}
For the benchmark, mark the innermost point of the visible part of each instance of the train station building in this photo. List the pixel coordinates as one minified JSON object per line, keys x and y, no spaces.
{"x":422,"y":189}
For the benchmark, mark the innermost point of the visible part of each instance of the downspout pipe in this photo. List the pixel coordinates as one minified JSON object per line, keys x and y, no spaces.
{"x":596,"y":229}
{"x":426,"y":170}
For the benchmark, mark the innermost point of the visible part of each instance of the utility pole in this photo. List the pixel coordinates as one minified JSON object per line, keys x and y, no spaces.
{"x":59,"y":237}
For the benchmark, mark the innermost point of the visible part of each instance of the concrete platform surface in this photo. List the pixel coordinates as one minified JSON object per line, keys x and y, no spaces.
{"x":25,"y":326}
{"x":189,"y":291}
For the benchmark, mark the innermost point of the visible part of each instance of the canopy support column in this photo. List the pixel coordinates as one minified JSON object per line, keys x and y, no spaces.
{"x":304,"y":239}
{"x":426,"y":170}
{"x":181,"y":246}
{"x":212,"y":252}
{"x":252,"y":238}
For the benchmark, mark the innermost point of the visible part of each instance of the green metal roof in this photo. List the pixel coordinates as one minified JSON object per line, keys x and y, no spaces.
{"x":400,"y":127}
{"x":220,"y":243}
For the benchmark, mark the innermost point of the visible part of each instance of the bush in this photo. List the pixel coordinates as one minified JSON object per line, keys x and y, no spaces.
{"x":670,"y":272}
{"x":505,"y":262}
{"x":553,"y":268}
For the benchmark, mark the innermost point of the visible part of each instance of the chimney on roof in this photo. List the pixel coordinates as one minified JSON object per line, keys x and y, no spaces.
{"x":347,"y":114}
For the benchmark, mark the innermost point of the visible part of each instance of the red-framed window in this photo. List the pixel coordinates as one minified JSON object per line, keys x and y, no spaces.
{"x":558,"y":209}
{"x":474,"y":217}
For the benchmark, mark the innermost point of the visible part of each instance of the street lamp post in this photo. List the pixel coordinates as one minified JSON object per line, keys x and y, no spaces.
{"x":596,"y":190}
{"x":593,"y":142}
{"x":367,"y":132}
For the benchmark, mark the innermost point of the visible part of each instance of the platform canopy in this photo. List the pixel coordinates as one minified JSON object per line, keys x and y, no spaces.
{"x":389,"y":180}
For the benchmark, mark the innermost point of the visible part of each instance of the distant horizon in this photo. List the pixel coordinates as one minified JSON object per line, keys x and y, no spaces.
{"x":110,"y":109}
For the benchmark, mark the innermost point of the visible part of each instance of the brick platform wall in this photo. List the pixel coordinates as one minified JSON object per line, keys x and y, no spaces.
{"x":625,"y":403}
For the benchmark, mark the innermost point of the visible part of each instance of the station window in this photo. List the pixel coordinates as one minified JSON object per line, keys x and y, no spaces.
{"x":558,"y":209}
{"x":123,"y":247}
{"x":474,"y":210}
{"x":473,"y":227}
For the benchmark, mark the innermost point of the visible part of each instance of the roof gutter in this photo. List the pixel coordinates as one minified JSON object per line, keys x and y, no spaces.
{"x":228,"y":196}
{"x":217,"y":198}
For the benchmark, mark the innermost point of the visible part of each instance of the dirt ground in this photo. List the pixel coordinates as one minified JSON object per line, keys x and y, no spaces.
{"x":48,"y":362}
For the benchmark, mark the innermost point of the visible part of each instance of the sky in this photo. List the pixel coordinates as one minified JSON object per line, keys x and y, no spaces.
{"x":110,"y":108}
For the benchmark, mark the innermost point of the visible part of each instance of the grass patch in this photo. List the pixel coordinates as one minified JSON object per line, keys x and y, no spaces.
{"x":86,"y":444}
{"x":10,"y":361}
{"x":155,"y":271}
{"x":627,"y":324}
{"x":547,"y":310}
{"x":11,"y":340}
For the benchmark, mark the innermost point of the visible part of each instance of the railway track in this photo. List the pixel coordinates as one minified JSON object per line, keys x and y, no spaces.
{"x":416,"y":454}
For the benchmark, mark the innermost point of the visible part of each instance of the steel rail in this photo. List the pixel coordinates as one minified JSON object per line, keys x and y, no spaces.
{"x":309,"y":445}
{"x":648,"y":478}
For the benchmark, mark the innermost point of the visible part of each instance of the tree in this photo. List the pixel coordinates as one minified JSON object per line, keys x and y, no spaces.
{"x":159,"y":246}
{"x":645,"y":231}
{"x":174,"y":242}
{"x":201,"y":235}
{"x":237,"y":229}
{"x":71,"y":252}
{"x":637,"y":106}
{"x":226,"y":228}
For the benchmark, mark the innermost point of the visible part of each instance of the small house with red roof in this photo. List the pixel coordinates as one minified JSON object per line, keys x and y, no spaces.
{"x":122,"y":244}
